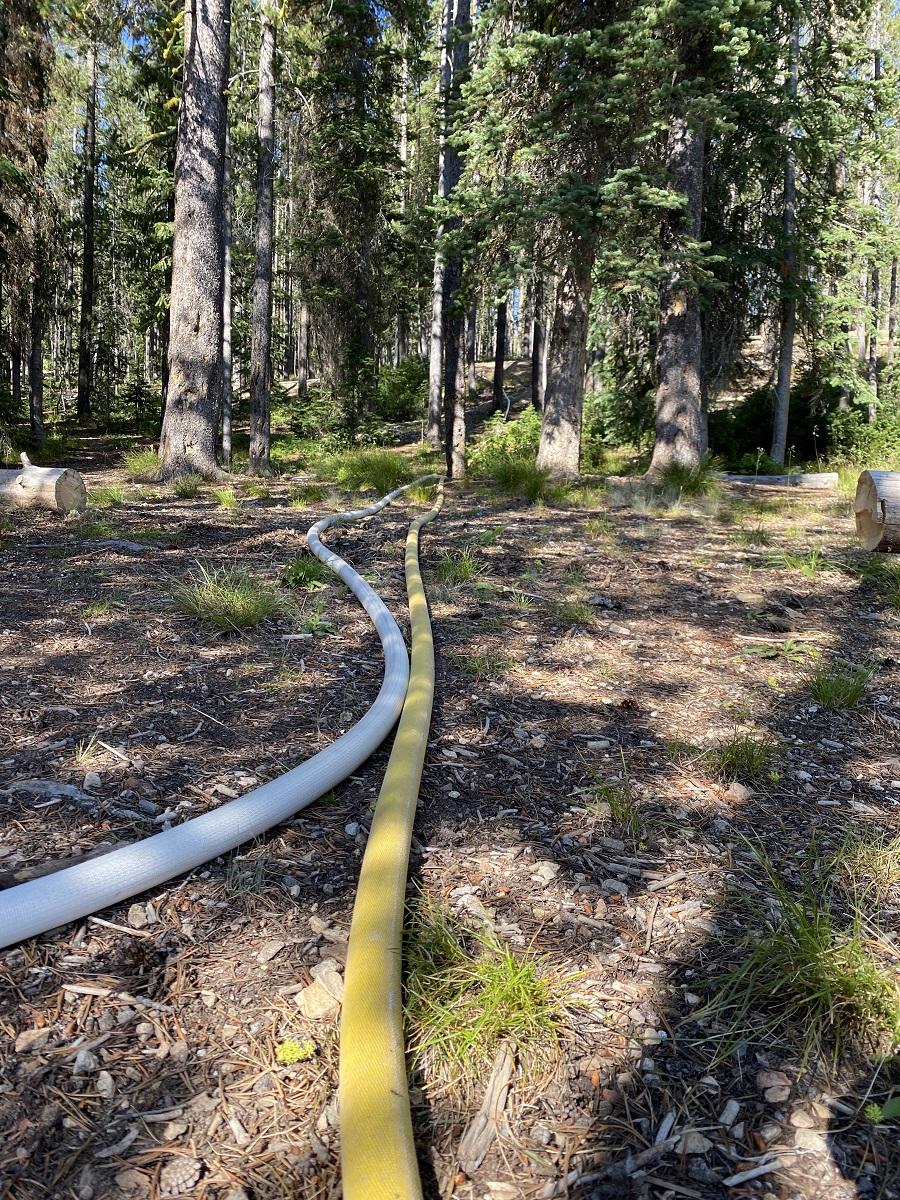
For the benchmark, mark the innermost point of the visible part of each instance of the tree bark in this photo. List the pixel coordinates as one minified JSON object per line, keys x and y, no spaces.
{"x":499,"y":355}
{"x":892,"y":314}
{"x":303,"y":352}
{"x":559,"y":451}
{"x":198,"y":275}
{"x":436,"y":344}
{"x":57,"y":488}
{"x":454,"y":375}
{"x":227,"y":346}
{"x":472,"y":348}
{"x":538,"y":335}
{"x":36,"y":364}
{"x":261,"y":338}
{"x":86,"y":318}
{"x":679,"y":412}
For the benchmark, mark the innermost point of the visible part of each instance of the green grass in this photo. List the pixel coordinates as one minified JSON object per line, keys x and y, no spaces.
{"x":599,"y":527}
{"x":106,"y":497}
{"x":304,"y":571}
{"x":840,"y":686}
{"x":742,"y":756}
{"x":228,"y":598}
{"x":187,"y":487}
{"x":459,"y":566}
{"x":757,"y":536}
{"x":140,"y":466}
{"x":520,"y":600}
{"x":256,"y":491}
{"x":790,"y":649}
{"x":484,"y":664}
{"x":805,"y":971}
{"x":615,"y":803}
{"x":307,"y":494}
{"x":691,"y":481}
{"x":490,"y":537}
{"x":225,"y":497}
{"x":469,"y":993}
{"x":871,"y":864}
{"x":366,"y":470}
{"x":245,"y":878}
{"x":95,"y":529}
{"x":571,"y":612}
{"x":99,"y":608}
{"x":86,"y":750}
{"x":809,"y":564}
{"x":520,"y":477}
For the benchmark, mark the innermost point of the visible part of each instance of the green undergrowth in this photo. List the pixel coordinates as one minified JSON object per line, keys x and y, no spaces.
{"x":140,"y":466}
{"x":469,"y":993}
{"x":841,"y":685}
{"x":228,"y":597}
{"x":742,"y":756}
{"x":804,"y":971}
{"x":458,"y":567}
{"x":305,"y":571}
{"x":380,"y":471}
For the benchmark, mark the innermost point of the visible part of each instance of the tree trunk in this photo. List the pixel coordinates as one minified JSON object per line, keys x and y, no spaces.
{"x":36,"y":365}
{"x":472,"y":349}
{"x":15,"y":361}
{"x":499,"y":356}
{"x":538,"y":335}
{"x":227,"y":347}
{"x":892,"y":314}
{"x":679,"y":413}
{"x":303,"y":352}
{"x":261,"y":341}
{"x":198,"y":275}
{"x":559,"y":451}
{"x":875,"y":273}
{"x":877,"y":509}
{"x":86,"y":321}
{"x":436,"y":345}
{"x":454,"y":375}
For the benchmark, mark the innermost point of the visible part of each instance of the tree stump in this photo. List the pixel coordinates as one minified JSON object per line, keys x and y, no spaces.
{"x":877,"y":508}
{"x":58,"y":488}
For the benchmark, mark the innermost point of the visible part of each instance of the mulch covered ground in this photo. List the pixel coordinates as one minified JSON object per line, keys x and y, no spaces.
{"x":139,"y":1047}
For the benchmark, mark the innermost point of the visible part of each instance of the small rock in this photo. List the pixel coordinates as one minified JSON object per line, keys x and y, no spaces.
{"x":137,"y":916}
{"x":729,"y":1114}
{"x":32,"y":1039}
{"x":769,"y":1131}
{"x":737,"y":791}
{"x":86,"y":1062}
{"x":599,"y":744}
{"x":693,"y":1142}
{"x":766,"y":1079}
{"x":172,"y":1130}
{"x":802,"y":1119}
{"x":802,"y":776}
{"x":811,"y":1139}
{"x":317,"y":1003}
{"x":777,"y":1095}
{"x":237,"y":1193}
{"x":132,"y":1182}
{"x":106,"y":1085}
{"x":544,"y":871}
{"x":268,"y":950}
{"x":615,"y":885}
{"x":92,"y":781}
{"x":179,"y":1051}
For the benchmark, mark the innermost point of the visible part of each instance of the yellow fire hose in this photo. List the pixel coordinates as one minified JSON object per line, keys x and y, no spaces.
{"x":378,"y":1159}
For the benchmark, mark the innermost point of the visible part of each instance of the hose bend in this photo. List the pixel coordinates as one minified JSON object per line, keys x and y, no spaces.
{"x":378,"y":1159}
{"x":41,"y":904}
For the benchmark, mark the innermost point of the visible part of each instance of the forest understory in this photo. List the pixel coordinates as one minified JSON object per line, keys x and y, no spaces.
{"x":629,"y":774}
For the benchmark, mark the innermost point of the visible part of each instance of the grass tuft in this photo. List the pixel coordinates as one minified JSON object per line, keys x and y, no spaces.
{"x":485,"y":664}
{"x":870,"y":864}
{"x":519,"y":477}
{"x":742,"y":756}
{"x":459,"y":566}
{"x":809,"y":564}
{"x":140,"y":466}
{"x":571,"y":612}
{"x":187,"y":487}
{"x":691,"y":481}
{"x":307,"y":494}
{"x":367,"y":470}
{"x":225,"y":497}
{"x":228,"y":598}
{"x":467,"y":994}
{"x":107,"y":497}
{"x":803,"y":969}
{"x":840,"y":686}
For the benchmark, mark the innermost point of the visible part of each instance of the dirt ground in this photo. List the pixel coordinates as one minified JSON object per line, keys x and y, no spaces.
{"x":139,"y":1046}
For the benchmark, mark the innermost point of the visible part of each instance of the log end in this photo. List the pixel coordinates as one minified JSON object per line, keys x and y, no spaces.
{"x":877,"y":509}
{"x":71,"y":494}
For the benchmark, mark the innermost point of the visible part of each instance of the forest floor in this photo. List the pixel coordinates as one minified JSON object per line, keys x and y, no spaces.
{"x":575,"y":807}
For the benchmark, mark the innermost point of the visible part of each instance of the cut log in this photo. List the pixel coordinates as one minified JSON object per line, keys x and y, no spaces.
{"x":58,"y":488}
{"x":816,"y":480}
{"x":877,"y":508}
